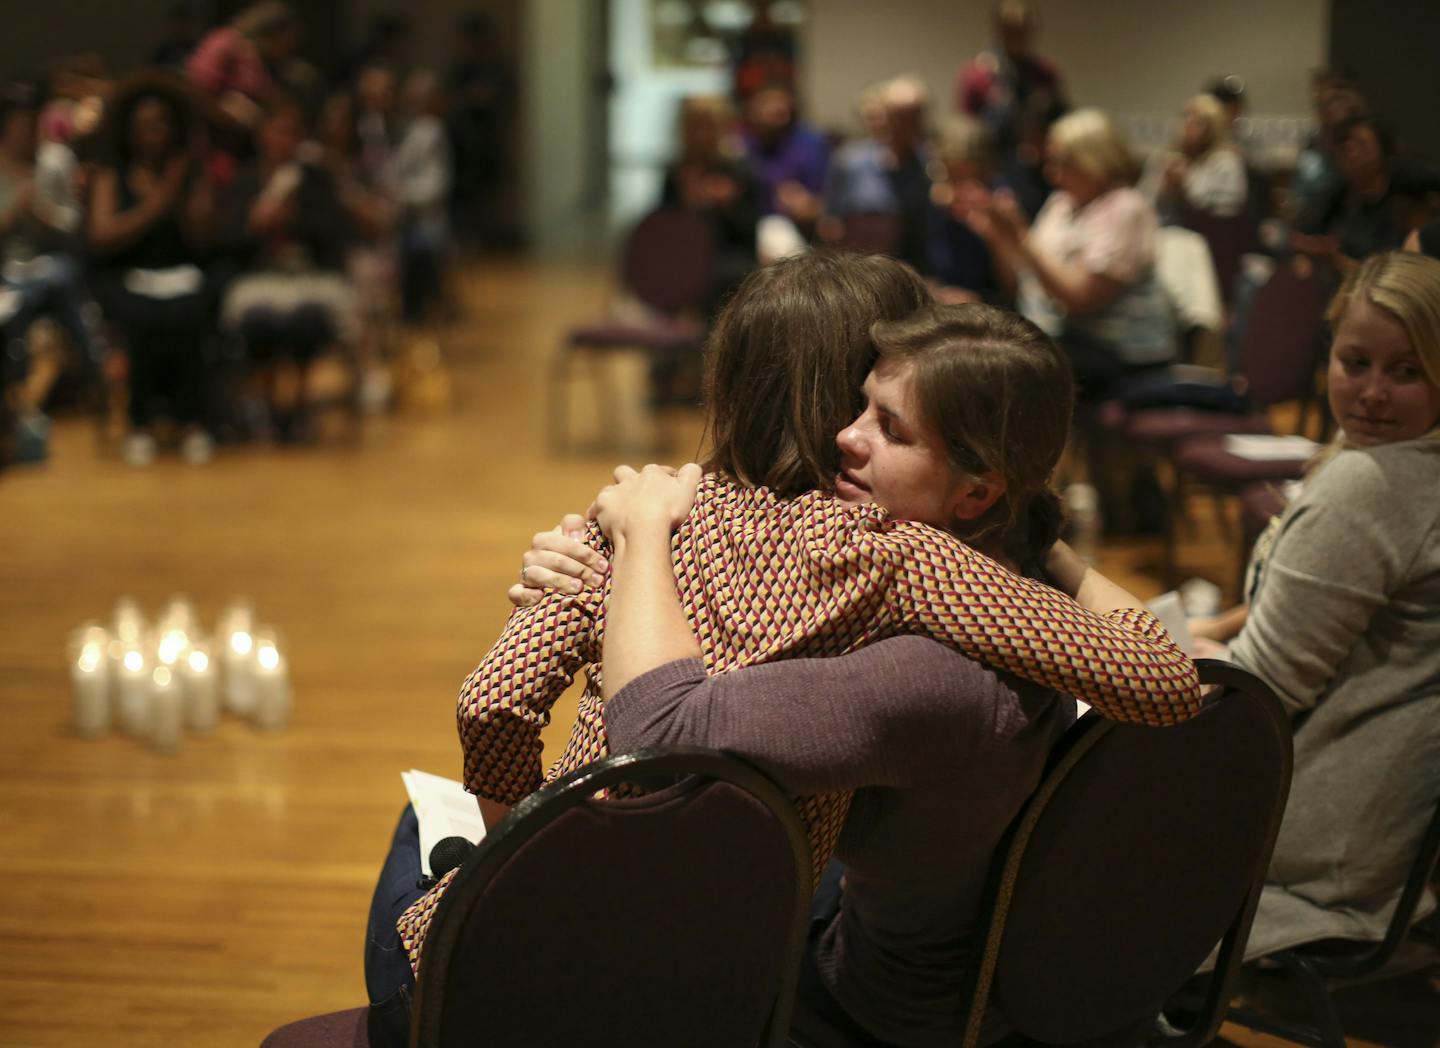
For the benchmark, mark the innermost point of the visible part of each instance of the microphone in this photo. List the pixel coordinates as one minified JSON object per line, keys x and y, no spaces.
{"x":447,"y":854}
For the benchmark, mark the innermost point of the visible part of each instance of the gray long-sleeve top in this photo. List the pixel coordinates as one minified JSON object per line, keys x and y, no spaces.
{"x":1345,"y":626}
{"x":941,"y":751}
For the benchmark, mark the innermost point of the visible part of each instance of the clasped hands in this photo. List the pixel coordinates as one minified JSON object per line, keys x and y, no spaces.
{"x":650,"y":502}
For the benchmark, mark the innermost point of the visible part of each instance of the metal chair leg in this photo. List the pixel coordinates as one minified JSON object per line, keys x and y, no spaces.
{"x":1317,"y":993}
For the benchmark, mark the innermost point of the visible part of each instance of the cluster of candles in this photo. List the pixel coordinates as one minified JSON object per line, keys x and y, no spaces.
{"x":158,"y":680}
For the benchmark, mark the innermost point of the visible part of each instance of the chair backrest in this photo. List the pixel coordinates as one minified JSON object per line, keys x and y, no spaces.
{"x":1284,"y":337}
{"x":674,"y":917}
{"x":1229,"y":239}
{"x":667,"y":260}
{"x":1142,"y":849}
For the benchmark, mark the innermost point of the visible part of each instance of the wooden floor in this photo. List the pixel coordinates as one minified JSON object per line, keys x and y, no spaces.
{"x":206,"y":897}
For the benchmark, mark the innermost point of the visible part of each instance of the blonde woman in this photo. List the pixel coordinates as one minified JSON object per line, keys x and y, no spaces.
{"x":1085,"y":271}
{"x":1344,"y":619}
{"x":1203,"y":170}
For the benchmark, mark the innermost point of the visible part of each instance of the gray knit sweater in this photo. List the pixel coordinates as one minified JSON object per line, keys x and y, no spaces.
{"x":941,"y":750}
{"x":1345,"y":624}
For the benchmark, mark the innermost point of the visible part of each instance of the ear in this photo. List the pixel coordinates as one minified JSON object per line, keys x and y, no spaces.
{"x":973,"y":495}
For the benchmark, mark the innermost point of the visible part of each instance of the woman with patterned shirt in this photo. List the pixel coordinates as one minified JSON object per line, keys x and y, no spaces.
{"x":772,"y":568}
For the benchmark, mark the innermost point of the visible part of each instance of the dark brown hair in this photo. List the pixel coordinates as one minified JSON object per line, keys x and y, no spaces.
{"x":786,"y":359}
{"x":1000,"y":393}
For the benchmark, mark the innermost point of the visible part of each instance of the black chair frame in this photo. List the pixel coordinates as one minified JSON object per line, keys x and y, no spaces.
{"x":1316,"y":973}
{"x":544,"y":806}
{"x":1068,"y":754}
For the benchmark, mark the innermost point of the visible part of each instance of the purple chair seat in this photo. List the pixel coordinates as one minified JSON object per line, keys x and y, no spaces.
{"x":1167,"y":425}
{"x":1206,"y":459}
{"x":336,"y":1030}
{"x":660,"y":334}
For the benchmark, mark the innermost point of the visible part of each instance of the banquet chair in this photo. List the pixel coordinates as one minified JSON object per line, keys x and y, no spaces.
{"x":1142,"y":849}
{"x":1318,"y":968}
{"x":666,"y":266}
{"x":671,"y":917}
{"x":1229,"y":239}
{"x":868,"y":233}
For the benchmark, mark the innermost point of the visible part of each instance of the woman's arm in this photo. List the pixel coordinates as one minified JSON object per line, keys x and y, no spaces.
{"x":898,"y":713}
{"x":1120,"y":661}
{"x":1336,"y":560}
{"x":505,"y":703}
{"x":645,"y":626}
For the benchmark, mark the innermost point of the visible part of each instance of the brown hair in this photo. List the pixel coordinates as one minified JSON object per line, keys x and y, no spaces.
{"x":1000,"y":392}
{"x":786,"y":359}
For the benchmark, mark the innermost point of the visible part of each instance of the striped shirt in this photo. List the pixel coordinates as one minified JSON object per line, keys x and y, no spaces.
{"x":763,"y":578}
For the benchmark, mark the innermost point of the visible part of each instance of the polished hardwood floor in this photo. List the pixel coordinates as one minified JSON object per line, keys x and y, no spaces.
{"x":204,"y":897}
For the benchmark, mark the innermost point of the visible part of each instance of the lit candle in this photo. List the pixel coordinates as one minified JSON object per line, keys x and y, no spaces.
{"x":90,"y":690}
{"x":236,"y":641}
{"x":272,"y":687}
{"x":202,"y":694}
{"x":167,"y":702}
{"x":133,"y":693}
{"x":129,"y":621}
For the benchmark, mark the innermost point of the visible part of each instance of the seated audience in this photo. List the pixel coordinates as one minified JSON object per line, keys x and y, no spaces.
{"x":420,"y":177}
{"x":772,"y":422}
{"x":152,"y":221}
{"x":40,"y":274}
{"x":291,"y":232}
{"x":235,"y":69}
{"x":1373,"y":207}
{"x":788,"y":158}
{"x":1019,"y":95}
{"x":710,"y":176}
{"x":885,"y":172}
{"x":1343,"y":620}
{"x":1085,"y":270}
{"x":1335,"y":101}
{"x":957,"y":259}
{"x":1203,"y":172}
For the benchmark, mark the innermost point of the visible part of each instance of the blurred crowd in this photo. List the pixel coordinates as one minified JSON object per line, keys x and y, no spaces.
{"x":1009,"y":193}
{"x":213,"y":246}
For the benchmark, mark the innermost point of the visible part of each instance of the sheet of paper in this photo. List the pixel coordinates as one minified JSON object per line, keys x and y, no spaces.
{"x":1169,"y":609}
{"x":1263,"y":448}
{"x":443,"y":809}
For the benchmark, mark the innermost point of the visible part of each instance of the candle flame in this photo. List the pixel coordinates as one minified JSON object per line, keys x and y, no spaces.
{"x":89,"y":659}
{"x":199,"y":661}
{"x":241,"y":642}
{"x":162,"y":676}
{"x":134,"y":661}
{"x":268,"y":656}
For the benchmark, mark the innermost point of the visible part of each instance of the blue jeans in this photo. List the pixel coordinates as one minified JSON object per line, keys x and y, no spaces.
{"x":388,"y":977}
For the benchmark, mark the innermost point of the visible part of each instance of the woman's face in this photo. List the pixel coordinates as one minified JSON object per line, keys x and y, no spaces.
{"x":892,"y":456}
{"x":1066,"y":175}
{"x":1379,"y":393}
{"x":151,"y":130}
{"x":1194,"y":132}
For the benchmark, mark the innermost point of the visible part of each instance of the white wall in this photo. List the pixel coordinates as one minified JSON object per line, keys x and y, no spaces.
{"x":557,"y":42}
{"x":1128,"y":56}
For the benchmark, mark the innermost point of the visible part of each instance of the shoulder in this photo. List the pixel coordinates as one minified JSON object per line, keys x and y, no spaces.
{"x":1125,"y":203}
{"x":1366,"y":476}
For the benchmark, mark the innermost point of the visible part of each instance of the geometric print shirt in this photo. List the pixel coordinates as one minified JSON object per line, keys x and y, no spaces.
{"x":763,"y":578}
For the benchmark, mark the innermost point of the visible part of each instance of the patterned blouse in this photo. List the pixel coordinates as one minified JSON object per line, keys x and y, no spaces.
{"x":764,"y":578}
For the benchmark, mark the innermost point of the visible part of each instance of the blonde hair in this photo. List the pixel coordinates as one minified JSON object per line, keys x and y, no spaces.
{"x":1217,"y":122}
{"x":1095,"y":145}
{"x":1406,"y":286}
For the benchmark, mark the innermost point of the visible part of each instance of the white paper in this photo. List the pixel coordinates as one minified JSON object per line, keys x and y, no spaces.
{"x":1262,"y":448}
{"x":1169,"y":609}
{"x":443,"y":809}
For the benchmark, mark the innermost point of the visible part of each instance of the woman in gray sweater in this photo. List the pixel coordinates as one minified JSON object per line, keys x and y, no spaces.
{"x":1344,"y":620}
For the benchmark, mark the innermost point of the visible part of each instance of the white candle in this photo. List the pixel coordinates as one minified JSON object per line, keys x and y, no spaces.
{"x":90,"y":691}
{"x":133,"y":693}
{"x":239,"y":663}
{"x":202,"y":692}
{"x":167,"y":702}
{"x":272,"y":688}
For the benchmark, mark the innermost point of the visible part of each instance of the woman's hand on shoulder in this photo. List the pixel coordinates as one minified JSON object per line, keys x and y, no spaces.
{"x":656,"y":499}
{"x":558,"y":559}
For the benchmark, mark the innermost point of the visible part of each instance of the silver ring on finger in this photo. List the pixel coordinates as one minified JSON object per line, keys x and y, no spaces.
{"x":522,"y":576}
